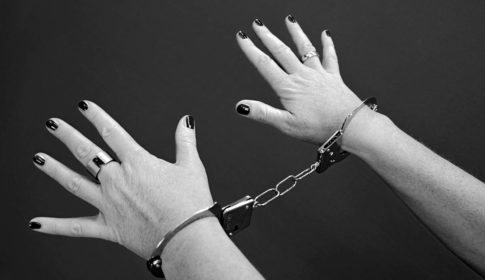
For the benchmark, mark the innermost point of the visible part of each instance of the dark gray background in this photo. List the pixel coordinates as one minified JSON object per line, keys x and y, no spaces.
{"x":150,"y":62}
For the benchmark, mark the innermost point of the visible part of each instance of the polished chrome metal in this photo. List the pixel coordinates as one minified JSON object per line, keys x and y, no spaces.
{"x":332,"y":140}
{"x":237,"y":215}
{"x":371,"y":102}
{"x":308,"y":55}
{"x":154,"y":263}
{"x":94,"y":165}
{"x":280,"y":187}
{"x":261,"y":195}
{"x":330,"y":151}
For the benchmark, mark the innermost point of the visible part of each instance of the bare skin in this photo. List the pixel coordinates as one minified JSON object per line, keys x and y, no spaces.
{"x":315,"y":101}
{"x":141,"y":198}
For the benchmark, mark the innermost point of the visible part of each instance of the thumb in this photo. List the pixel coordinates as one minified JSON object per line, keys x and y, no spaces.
{"x":185,"y":141}
{"x":264,"y":113}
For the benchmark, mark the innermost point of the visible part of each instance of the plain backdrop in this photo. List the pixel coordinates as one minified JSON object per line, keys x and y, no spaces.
{"x":150,"y":62}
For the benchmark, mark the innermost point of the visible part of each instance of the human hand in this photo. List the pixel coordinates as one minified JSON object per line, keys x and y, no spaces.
{"x":140,"y":198}
{"x":313,"y":94}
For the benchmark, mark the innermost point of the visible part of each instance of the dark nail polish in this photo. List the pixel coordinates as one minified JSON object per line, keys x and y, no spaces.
{"x":242,"y":35}
{"x":190,"y":122}
{"x":243,"y":109}
{"x":328,"y":33}
{"x":291,"y":18}
{"x":39,"y":160}
{"x":258,"y":22}
{"x":51,"y":124}
{"x":34,"y":225}
{"x":83,"y":105}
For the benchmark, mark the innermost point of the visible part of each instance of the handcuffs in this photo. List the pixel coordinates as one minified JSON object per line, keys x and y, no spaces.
{"x":236,"y":216}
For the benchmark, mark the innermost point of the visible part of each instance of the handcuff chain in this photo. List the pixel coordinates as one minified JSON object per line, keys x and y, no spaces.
{"x":283,"y":186}
{"x":292,"y":180}
{"x":236,"y":216}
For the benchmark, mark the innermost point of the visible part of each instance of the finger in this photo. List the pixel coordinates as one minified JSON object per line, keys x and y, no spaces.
{"x":186,"y":142}
{"x":265,"y":65}
{"x":329,"y":60}
{"x":82,"y":148}
{"x":302,"y":43}
{"x":113,"y":134}
{"x":74,"y":227}
{"x":266,"y":114}
{"x":280,"y":51}
{"x":78,"y":185}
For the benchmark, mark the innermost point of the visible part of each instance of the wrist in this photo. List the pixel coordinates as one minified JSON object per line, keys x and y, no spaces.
{"x":364,"y":132}
{"x":190,"y":241}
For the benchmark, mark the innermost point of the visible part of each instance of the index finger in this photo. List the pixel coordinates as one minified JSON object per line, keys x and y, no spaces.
{"x":112,"y":133}
{"x":265,"y":64}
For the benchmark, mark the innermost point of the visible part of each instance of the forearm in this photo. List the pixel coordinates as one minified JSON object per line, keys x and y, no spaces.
{"x":202,"y":250}
{"x":449,"y":200}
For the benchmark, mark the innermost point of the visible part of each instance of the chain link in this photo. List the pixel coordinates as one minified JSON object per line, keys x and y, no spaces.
{"x":290,"y":182}
{"x":282,"y":187}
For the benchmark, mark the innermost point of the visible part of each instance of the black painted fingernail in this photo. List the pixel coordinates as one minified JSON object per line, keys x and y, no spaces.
{"x":328,"y":33}
{"x":242,"y":109}
{"x":34,"y":225}
{"x":258,"y":22}
{"x":82,"y":105}
{"x":242,"y":35}
{"x":51,"y":124}
{"x":39,"y":160}
{"x":190,"y":122}
{"x":291,"y":18}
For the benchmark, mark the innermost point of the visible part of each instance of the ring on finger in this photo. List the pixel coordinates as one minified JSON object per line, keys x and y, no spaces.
{"x":308,"y":55}
{"x":94,"y":165}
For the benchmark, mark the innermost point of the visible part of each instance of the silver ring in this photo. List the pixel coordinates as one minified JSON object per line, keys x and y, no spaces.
{"x":308,"y":55}
{"x":94,"y":165}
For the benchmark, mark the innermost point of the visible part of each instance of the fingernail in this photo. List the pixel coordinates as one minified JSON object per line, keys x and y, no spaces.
{"x":34,"y":225}
{"x":242,"y":109}
{"x":51,"y":124}
{"x":242,"y":35}
{"x":82,"y":105}
{"x":291,"y":18}
{"x":190,"y":122}
{"x":39,"y":160}
{"x":328,"y":33}
{"x":258,"y":22}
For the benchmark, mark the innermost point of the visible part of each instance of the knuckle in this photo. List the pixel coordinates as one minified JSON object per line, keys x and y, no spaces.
{"x":114,"y":236}
{"x":74,"y":185}
{"x":281,"y":49}
{"x":76,"y":229}
{"x":187,"y":140}
{"x":108,"y":174}
{"x":262,"y":114}
{"x":280,"y":82}
{"x":54,"y":229}
{"x":263,"y":60}
{"x":83,"y":150}
{"x":332,"y":54}
{"x":107,"y":131}
{"x":134,"y":155}
{"x":307,"y":47}
{"x":287,"y":126}
{"x":287,"y":129}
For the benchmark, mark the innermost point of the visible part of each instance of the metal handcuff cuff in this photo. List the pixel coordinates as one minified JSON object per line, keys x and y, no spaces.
{"x":236,"y":216}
